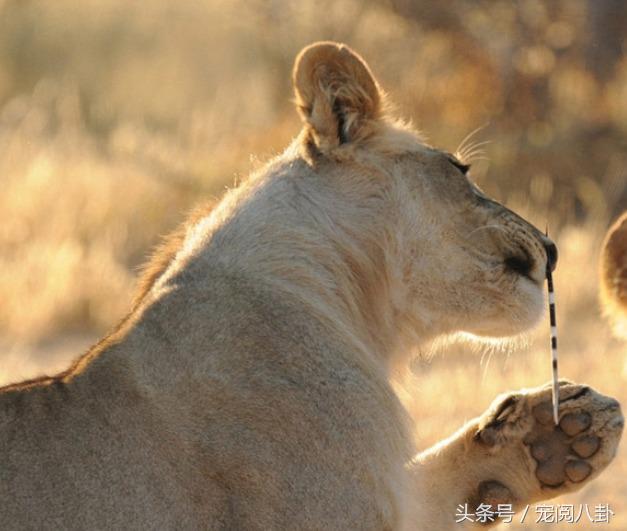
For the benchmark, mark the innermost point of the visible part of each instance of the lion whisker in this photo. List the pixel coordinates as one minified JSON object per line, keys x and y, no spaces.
{"x":462,"y":144}
{"x":473,"y":147}
{"x":469,"y":152}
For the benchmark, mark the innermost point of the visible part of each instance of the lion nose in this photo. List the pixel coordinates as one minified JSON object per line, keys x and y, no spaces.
{"x":551,"y":254}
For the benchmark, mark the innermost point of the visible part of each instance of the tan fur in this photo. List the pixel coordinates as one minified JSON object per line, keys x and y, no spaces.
{"x":614,"y":275}
{"x":165,"y":252}
{"x":249,"y":388}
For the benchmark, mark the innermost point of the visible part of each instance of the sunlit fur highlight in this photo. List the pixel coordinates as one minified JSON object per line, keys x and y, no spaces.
{"x":613,"y":275}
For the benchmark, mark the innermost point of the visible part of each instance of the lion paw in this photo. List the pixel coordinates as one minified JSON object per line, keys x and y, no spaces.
{"x":532,"y":459}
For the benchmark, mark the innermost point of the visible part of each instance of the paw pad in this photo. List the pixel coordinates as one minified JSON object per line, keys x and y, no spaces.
{"x":494,"y":493}
{"x":551,"y":473}
{"x":577,"y":470}
{"x":560,"y":451}
{"x":575,"y":423}
{"x":543,"y":413}
{"x":586,"y":445}
{"x":564,"y":455}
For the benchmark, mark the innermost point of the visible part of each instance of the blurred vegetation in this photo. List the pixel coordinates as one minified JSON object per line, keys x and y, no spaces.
{"x":116,"y":116}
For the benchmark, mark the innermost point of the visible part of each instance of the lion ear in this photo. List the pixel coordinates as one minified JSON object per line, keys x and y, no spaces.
{"x":336,"y":95}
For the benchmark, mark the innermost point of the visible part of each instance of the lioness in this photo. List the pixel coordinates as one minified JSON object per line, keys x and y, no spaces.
{"x":614,"y":275}
{"x":249,"y":387}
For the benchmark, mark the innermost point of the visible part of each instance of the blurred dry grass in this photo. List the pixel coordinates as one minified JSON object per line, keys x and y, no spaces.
{"x":116,"y":117}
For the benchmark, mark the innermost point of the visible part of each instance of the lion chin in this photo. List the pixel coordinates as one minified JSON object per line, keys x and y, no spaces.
{"x":250,"y":386}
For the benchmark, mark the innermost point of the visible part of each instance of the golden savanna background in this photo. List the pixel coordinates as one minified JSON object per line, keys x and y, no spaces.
{"x":117,"y":116}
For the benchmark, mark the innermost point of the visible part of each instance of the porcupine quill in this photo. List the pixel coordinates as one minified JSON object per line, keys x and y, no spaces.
{"x":556,"y":390}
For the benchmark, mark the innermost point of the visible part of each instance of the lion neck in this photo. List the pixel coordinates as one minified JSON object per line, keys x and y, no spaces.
{"x":319,"y":238}
{"x":310,"y":236}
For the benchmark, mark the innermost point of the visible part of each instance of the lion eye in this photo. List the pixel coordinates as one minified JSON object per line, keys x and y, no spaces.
{"x":464,"y":168}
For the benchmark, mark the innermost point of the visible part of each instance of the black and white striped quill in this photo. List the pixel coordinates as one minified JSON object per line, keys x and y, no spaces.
{"x":556,"y":390}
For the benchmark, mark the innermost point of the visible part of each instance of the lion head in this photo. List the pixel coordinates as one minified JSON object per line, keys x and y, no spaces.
{"x":614,"y":275}
{"x":455,"y":259}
